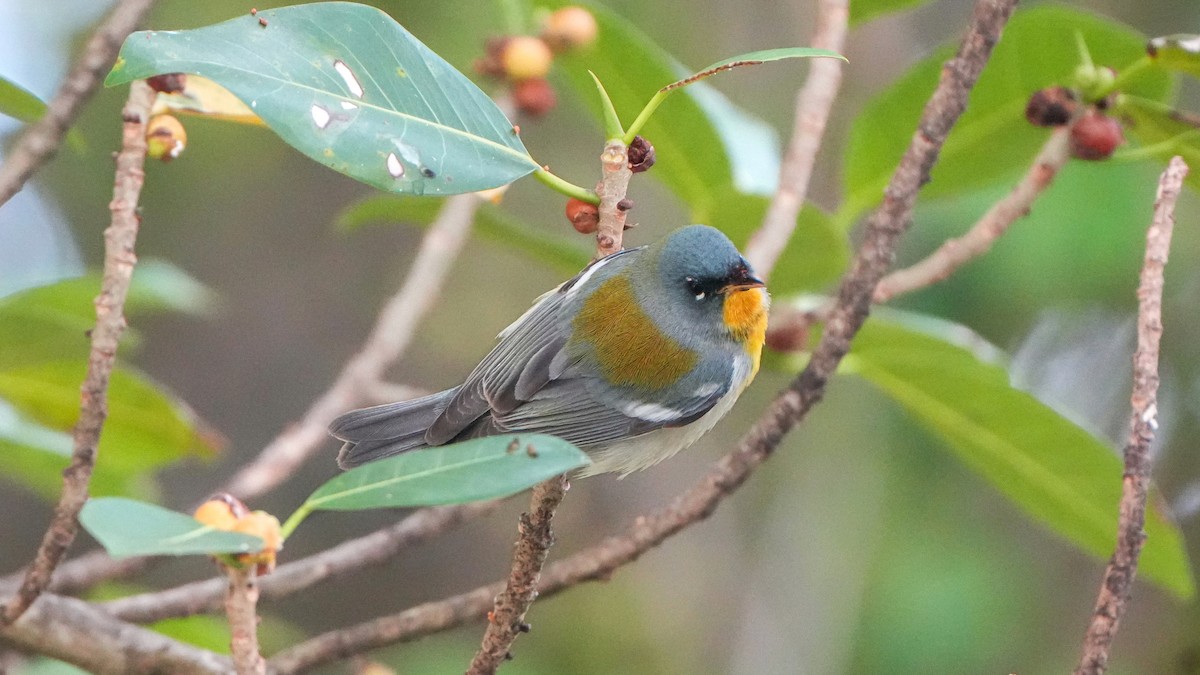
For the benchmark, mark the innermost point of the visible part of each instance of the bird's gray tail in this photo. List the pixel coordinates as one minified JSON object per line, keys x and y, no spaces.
{"x":386,"y":430}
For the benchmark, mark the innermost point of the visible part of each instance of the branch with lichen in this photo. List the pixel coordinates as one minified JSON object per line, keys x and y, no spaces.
{"x":1117,"y":584}
{"x":119,"y":260}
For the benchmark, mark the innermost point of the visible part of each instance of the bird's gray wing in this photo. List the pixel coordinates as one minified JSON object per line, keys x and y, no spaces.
{"x":588,"y":413}
{"x":527,"y":358}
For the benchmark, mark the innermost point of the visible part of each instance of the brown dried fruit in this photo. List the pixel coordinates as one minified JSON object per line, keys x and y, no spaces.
{"x":640,"y":154}
{"x":534,"y":97}
{"x":1095,"y":136}
{"x":569,"y":28}
{"x":584,"y":217}
{"x":168,"y":83}
{"x":1051,"y":107}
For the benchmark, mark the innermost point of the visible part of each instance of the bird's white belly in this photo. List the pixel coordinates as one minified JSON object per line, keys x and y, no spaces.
{"x":640,"y":452}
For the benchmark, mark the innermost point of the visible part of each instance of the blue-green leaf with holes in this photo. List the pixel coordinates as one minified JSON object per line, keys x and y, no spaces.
{"x":352,"y":89}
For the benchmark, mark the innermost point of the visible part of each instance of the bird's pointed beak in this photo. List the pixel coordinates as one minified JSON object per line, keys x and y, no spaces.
{"x":743,"y":284}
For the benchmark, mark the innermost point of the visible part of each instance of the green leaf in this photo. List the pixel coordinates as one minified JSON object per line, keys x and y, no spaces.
{"x":1163,"y":132}
{"x":19,"y":103}
{"x":862,"y":11}
{"x":992,"y":142}
{"x":1056,"y":472}
{"x":484,"y":468}
{"x":50,"y":322}
{"x":491,"y":222}
{"x":816,"y":255}
{"x":352,"y":89}
{"x":702,"y":141}
{"x":750,"y":59}
{"x":126,"y":527}
{"x":1176,"y":52}
{"x":145,"y":427}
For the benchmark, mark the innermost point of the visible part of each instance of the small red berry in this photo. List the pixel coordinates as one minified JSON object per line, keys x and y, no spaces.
{"x":534,"y":97}
{"x":584,"y":217}
{"x":1095,"y":136}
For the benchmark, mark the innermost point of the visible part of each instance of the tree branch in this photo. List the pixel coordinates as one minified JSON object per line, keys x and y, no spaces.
{"x":954,"y":253}
{"x":393,"y":332}
{"x":241,"y":608}
{"x":507,"y":619}
{"x":119,"y":260}
{"x":80,"y":633}
{"x":350,"y":556}
{"x":1117,"y":584}
{"x":614,"y":162}
{"x":813,"y":103}
{"x":874,"y":256}
{"x":41,"y":141}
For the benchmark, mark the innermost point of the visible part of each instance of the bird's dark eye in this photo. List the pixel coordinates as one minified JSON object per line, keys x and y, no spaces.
{"x":696,"y":287}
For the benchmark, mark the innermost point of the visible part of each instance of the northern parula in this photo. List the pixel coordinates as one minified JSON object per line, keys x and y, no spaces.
{"x":632,"y":360}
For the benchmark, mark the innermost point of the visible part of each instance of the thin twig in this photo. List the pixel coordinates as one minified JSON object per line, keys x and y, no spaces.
{"x":241,"y":608}
{"x":82,"y":634}
{"x":507,"y":619}
{"x":813,"y":103}
{"x":44,"y":137}
{"x":612,"y":190}
{"x":80,"y":574}
{"x":393,"y":332}
{"x":1117,"y":584}
{"x":954,"y":253}
{"x":874,"y":256}
{"x":293,"y":577}
{"x":119,"y":260}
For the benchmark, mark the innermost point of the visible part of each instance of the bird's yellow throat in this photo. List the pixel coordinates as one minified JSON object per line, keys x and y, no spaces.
{"x":745,"y":315}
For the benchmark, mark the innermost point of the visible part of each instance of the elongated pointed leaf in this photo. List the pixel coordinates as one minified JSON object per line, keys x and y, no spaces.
{"x":19,"y":103}
{"x":484,"y":468}
{"x":491,"y":222}
{"x":50,"y":322}
{"x":992,"y":142}
{"x":126,"y":527}
{"x":754,"y":59}
{"x":145,"y":427}
{"x":352,"y":89}
{"x":1056,"y":472}
{"x":703,"y":141}
{"x":1176,"y":52}
{"x":1168,"y":131}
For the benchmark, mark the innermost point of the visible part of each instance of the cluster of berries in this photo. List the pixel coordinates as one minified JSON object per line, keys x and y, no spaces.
{"x":524,"y":60}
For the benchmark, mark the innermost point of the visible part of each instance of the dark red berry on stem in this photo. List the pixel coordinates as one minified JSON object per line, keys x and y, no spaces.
{"x":1095,"y":136}
{"x":534,"y":97}
{"x":584,"y":217}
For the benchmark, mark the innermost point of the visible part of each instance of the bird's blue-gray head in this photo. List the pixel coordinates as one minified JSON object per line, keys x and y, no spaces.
{"x":700,"y":269}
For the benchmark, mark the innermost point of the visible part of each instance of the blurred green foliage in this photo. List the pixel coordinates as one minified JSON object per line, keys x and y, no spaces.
{"x":952,"y":569}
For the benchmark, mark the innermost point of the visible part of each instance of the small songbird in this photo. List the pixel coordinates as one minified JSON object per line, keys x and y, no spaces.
{"x":632,"y":360}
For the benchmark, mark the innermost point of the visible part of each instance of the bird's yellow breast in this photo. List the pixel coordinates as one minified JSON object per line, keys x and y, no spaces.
{"x":745,"y":314}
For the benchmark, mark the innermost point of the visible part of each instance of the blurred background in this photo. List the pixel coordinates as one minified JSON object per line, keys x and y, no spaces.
{"x":864,"y":547}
